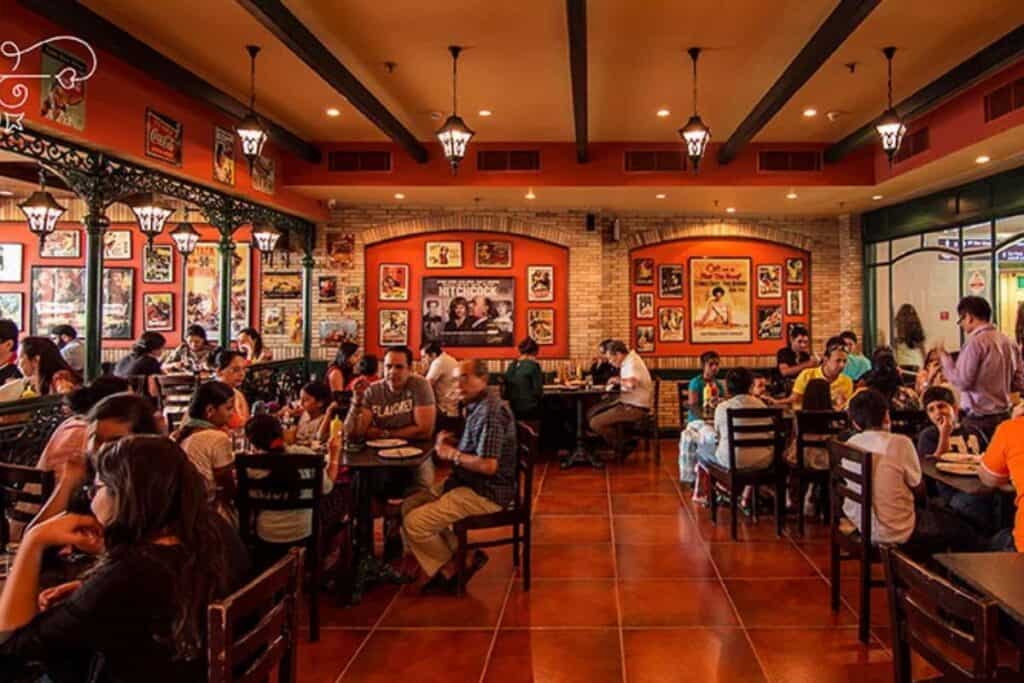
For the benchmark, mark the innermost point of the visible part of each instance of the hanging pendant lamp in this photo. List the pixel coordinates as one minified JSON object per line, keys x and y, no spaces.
{"x":185,"y":237}
{"x":42,"y":210}
{"x":265,"y":236}
{"x":890,"y":127}
{"x":695,"y":133}
{"x":151,"y":211}
{"x":454,"y":135}
{"x":250,"y":129}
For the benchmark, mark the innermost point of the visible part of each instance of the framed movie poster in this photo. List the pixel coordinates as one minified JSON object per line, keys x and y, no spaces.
{"x":444,"y":254}
{"x":65,"y":106}
{"x":12,"y":307}
{"x":769,"y":322}
{"x":493,"y":254}
{"x":541,"y":285}
{"x":202,"y":288}
{"x":644,"y":339}
{"x":263,"y":172}
{"x":540,"y":323}
{"x":58,"y":297}
{"x":643,"y":271}
{"x":794,"y":302}
{"x":282,"y":285}
{"x":394,"y":327}
{"x":117,"y":245}
{"x":720,"y":307}
{"x":670,"y":282}
{"x":645,"y":306}
{"x":469,"y":311}
{"x":118,"y":302}
{"x":340,"y":249}
{"x":273,"y":320}
{"x":158,"y":264}
{"x":394,"y":282}
{"x":671,"y":324}
{"x":769,"y":282}
{"x":158,"y":309}
{"x":163,"y":137}
{"x":352,"y":301}
{"x":11,"y":258}
{"x":336,"y":332}
{"x":794,"y":271}
{"x":223,"y":155}
{"x":62,"y":244}
{"x":327,"y":289}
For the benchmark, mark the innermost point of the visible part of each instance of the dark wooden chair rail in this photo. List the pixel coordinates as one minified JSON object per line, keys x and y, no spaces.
{"x":13,"y":482}
{"x":813,"y":430}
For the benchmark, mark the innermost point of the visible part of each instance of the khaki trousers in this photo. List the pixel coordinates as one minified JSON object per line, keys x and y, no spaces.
{"x":604,"y":422}
{"x":427,"y":517}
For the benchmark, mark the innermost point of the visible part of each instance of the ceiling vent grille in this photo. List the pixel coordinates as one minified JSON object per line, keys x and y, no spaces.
{"x":1006,"y":99}
{"x":655,"y":161}
{"x":913,"y":144}
{"x":789,"y":161}
{"x":497,"y":161}
{"x":355,"y":162}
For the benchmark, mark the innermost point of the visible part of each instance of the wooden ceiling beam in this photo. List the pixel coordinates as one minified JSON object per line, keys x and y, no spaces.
{"x":843,"y":21}
{"x":280,"y":21}
{"x":576,"y":13}
{"x":999,"y":54}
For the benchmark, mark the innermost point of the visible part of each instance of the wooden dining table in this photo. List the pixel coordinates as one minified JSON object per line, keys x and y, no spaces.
{"x":969,"y":484}
{"x":998,"y":576}
{"x":579,"y":395}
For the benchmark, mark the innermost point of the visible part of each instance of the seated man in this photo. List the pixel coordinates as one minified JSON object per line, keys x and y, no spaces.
{"x":896,"y":481}
{"x":791,"y":360}
{"x":483,"y":480}
{"x":830,"y":370}
{"x":634,"y":401}
{"x":1003,"y":464}
{"x":739,"y":382}
{"x":710,"y":361}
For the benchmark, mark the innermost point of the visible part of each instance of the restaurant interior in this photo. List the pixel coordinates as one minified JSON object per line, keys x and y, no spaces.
{"x":680,"y":194}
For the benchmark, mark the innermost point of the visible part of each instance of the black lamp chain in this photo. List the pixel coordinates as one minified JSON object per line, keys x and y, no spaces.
{"x":889,"y":57}
{"x":455,"y":80}
{"x":252,"y":80}
{"x":42,"y":178}
{"x":694,"y":84}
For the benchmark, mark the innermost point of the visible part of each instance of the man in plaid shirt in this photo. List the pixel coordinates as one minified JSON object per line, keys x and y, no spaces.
{"x":482,"y":481}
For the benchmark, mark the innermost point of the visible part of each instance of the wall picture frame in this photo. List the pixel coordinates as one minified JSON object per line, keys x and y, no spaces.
{"x":540,"y":325}
{"x":444,"y":254}
{"x":795,"y":268}
{"x":264,"y":175}
{"x":352,"y":299}
{"x":57,"y":296}
{"x":769,"y":281}
{"x":12,"y":259}
{"x":644,"y":306}
{"x":670,"y":281}
{"x":671,"y":324}
{"x":118,"y":303}
{"x":158,"y":264}
{"x":157,"y":311}
{"x":223,"y":156}
{"x":12,"y":307}
{"x":394,"y":327}
{"x":644,"y":339}
{"x":794,"y":302}
{"x":282,"y":285}
{"x":393,"y":282}
{"x":163,"y":137}
{"x":273,"y":320}
{"x":62,"y":244}
{"x":769,"y":322}
{"x":327,"y":289}
{"x":201,"y":302}
{"x":492,"y":254}
{"x":643,"y":272}
{"x":117,"y":245}
{"x":540,"y":283}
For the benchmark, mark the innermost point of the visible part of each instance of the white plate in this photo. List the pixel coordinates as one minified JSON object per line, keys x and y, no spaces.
{"x":404,"y":452}
{"x":386,"y":443}
{"x":961,"y":458}
{"x":960,"y":468}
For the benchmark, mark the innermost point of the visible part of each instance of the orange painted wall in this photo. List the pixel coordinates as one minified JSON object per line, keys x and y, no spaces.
{"x":19,"y":233}
{"x":117,"y":96}
{"x":679,"y":252}
{"x":525,"y":252}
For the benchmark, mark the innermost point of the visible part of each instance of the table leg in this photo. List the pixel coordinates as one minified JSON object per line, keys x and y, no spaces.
{"x":580,"y":454}
{"x":368,"y":569}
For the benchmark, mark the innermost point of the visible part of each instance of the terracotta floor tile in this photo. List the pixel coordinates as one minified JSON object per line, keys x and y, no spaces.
{"x":566,"y":504}
{"x":556,"y":656}
{"x":366,"y":613}
{"x":499,"y":565}
{"x":698,"y":602}
{"x":325,"y":659}
{"x":760,"y":560}
{"x":657,"y":529}
{"x":407,"y":655}
{"x":479,"y":607}
{"x":564,"y":529}
{"x":794,"y":602}
{"x":849,"y":588}
{"x":562,"y":603}
{"x":646,"y":504}
{"x":747,"y":530}
{"x":818,"y":552}
{"x":573,"y":561}
{"x":573,"y":482}
{"x":641,"y":484}
{"x":689,"y":655}
{"x":838,"y":656}
{"x":667,"y":561}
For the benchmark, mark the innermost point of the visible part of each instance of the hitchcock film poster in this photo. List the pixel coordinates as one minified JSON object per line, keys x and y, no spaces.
{"x":469,"y":311}
{"x":720,"y":300}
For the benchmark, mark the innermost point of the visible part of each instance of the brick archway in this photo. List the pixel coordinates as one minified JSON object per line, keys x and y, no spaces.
{"x":466,"y":222}
{"x":646,"y":238}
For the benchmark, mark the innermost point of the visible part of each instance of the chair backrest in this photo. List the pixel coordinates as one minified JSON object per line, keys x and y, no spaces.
{"x":908,"y":422}
{"x":655,"y":400}
{"x":255,"y":630}
{"x":754,"y":428}
{"x":954,"y":631}
{"x":277,"y":482}
{"x":682,"y":392}
{"x":14,"y":480}
{"x":815,"y":427}
{"x":527,"y":451}
{"x":138,"y":383}
{"x":852,"y":468}
{"x":174,"y":393}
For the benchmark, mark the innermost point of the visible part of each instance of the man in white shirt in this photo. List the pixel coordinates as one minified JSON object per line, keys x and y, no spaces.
{"x":440,"y":372}
{"x":738,"y":383}
{"x":634,"y":401}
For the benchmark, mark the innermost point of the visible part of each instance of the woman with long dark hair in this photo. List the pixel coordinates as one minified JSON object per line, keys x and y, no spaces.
{"x":342,"y":370}
{"x":250,"y":344}
{"x":140,"y":613}
{"x":203,"y":438}
{"x":887,"y":379}
{"x":44,"y":369}
{"x":908,"y":341}
{"x":230,"y":368}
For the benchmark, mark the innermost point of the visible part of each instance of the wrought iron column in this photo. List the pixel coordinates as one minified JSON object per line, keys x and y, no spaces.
{"x":225,"y":252}
{"x":307,"y":297}
{"x":96,"y":223}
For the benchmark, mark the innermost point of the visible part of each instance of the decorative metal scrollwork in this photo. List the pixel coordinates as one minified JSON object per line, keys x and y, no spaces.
{"x":276,"y":382}
{"x":26,"y":427}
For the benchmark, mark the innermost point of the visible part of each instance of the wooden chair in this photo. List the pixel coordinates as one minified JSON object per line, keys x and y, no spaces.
{"x":813,"y":430}
{"x":14,"y":483}
{"x":908,"y":422}
{"x":683,"y":394}
{"x":517,"y":515}
{"x":261,"y":489}
{"x":953,"y":631}
{"x":174,"y":393}
{"x":646,"y":427}
{"x":751,"y":428}
{"x":850,"y":483}
{"x":254,"y":631}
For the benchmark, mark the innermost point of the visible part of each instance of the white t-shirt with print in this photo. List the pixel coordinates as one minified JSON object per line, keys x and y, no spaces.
{"x":209,"y":450}
{"x":897,"y":471}
{"x":441,"y":374}
{"x":633,"y":367}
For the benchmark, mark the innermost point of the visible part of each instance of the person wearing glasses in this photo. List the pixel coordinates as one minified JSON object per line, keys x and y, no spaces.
{"x":987,"y":370}
{"x":830,"y":370}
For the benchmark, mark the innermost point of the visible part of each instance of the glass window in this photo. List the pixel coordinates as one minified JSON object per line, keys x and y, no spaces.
{"x":926,"y":283}
{"x":947,"y":239}
{"x":883,"y":312}
{"x":880,"y":252}
{"x":905,"y":244}
{"x":1007,"y":228}
{"x":978,"y":236}
{"x":1010,"y":285}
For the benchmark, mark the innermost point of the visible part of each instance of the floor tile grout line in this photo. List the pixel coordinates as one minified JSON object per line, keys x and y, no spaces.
{"x":615,"y":576}
{"x":373,"y":629}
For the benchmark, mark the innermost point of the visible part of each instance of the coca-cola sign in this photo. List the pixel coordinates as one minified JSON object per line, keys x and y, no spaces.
{"x":163,"y":138}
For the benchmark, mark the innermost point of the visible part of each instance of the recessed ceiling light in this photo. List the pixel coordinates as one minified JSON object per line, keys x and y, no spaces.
{"x":6,"y":193}
{"x":810,"y":111}
{"x":485,"y":112}
{"x":399,"y":195}
{"x":983,"y":159}
{"x":791,"y":195}
{"x":660,"y":195}
{"x":876,"y":197}
{"x":530,"y":195}
{"x":663,"y":113}
{"x":730,"y":209}
{"x":333,"y":111}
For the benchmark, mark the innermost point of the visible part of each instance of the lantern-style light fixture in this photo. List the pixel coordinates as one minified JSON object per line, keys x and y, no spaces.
{"x":42,"y":210}
{"x":250,"y":129}
{"x":185,"y":237}
{"x":454,"y":135}
{"x":695,"y":133}
{"x":890,"y":127}
{"x":151,"y":211}
{"x":265,"y":236}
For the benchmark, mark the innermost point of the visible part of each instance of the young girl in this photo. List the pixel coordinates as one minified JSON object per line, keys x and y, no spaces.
{"x":250,"y":344}
{"x":44,"y":369}
{"x":204,"y":439}
{"x":314,"y":400}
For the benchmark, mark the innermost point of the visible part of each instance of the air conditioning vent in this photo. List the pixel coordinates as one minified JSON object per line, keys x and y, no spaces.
{"x":354,"y":162}
{"x":1006,"y":99}
{"x":655,"y":161}
{"x":496,"y":161}
{"x":913,"y":144}
{"x":783,"y":161}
